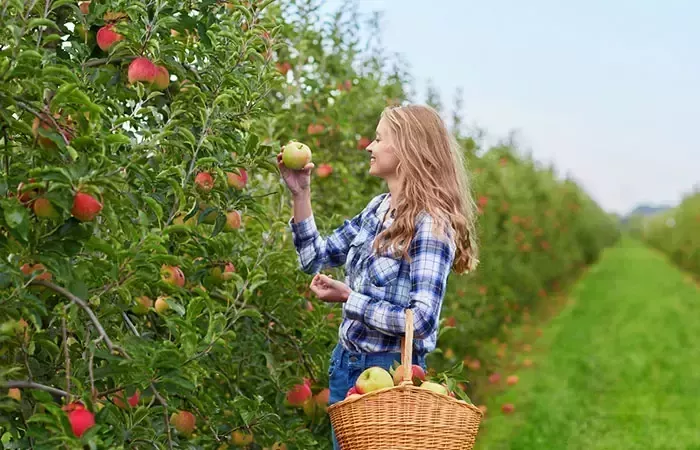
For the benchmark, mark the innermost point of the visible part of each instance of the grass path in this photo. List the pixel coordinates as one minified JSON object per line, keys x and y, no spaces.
{"x":618,"y":369}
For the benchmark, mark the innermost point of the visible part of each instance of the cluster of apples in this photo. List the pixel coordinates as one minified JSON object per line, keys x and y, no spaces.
{"x":301,"y":396}
{"x":141,"y":68}
{"x":376,"y":378}
{"x":85,"y":207}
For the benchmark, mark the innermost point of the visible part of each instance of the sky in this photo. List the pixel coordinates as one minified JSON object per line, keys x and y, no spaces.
{"x":607,"y":91}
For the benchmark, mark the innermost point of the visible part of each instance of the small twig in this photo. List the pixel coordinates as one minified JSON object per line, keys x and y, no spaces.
{"x":102,"y":61}
{"x":130,"y":324}
{"x":91,"y":369}
{"x":31,"y":385}
{"x":80,"y":302}
{"x":65,"y":351}
{"x":162,"y":401}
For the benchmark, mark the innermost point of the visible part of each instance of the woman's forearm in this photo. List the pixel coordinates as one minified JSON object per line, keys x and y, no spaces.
{"x":302,"y":206}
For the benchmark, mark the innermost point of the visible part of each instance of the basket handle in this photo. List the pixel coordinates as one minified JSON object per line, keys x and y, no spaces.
{"x":407,"y":350}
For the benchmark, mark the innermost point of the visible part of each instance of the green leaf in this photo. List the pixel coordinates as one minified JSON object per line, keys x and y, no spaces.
{"x":41,"y":23}
{"x":155,"y":206}
{"x":17,"y":219}
{"x":252,"y":313}
{"x":118,"y":138}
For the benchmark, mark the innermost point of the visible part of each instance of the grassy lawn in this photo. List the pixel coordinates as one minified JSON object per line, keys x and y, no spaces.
{"x":618,"y":369}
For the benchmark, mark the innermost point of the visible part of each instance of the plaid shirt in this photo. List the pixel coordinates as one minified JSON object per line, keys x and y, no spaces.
{"x":382,"y":286}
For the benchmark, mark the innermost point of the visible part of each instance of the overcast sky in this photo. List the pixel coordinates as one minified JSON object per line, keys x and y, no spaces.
{"x":609,"y":91}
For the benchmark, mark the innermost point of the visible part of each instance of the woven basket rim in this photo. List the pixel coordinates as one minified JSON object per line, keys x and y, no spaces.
{"x":405,"y":387}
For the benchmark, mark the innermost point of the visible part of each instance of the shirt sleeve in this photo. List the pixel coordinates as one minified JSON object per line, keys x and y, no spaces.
{"x":431,"y":261}
{"x":316,"y":252}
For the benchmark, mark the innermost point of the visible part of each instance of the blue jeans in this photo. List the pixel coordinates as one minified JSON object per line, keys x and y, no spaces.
{"x":346,"y":367}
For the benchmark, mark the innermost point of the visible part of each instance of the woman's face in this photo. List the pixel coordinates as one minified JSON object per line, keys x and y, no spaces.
{"x":383,"y":160}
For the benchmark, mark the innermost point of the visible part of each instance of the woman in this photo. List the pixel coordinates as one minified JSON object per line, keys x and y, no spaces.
{"x":398,"y":252}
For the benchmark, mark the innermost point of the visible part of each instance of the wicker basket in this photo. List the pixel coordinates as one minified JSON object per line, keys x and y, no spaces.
{"x":405,"y":417}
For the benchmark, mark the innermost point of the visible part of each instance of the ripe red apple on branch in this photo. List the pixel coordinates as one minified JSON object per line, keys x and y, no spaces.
{"x":184,"y":422}
{"x":204,"y":181}
{"x":142,"y":69}
{"x":172,"y":275}
{"x":107,"y":37}
{"x":299,"y":394}
{"x":85,"y":207}
{"x":237,"y":180}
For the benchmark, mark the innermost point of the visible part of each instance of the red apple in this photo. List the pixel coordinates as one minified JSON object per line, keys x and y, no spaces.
{"x":172,"y":275}
{"x":373,"y":379}
{"x":299,"y":394}
{"x":26,"y":196}
{"x":80,"y":421}
{"x":315,"y":128}
{"x":296,"y":155}
{"x":15,"y":393}
{"x":161,"y":305}
{"x":44,"y":209}
{"x":184,"y":422}
{"x":363,"y":143}
{"x":283,"y":67}
{"x":494,"y":378}
{"x":162,"y":79}
{"x":324,"y":170}
{"x":417,"y":375}
{"x":85,"y":207}
{"x":435,"y":387}
{"x":106,"y":37}
{"x":352,"y":391}
{"x":508,"y":408}
{"x":474,"y":365}
{"x":512,"y":379}
{"x":233,"y":221}
{"x":29,"y":269}
{"x":451,"y":322}
{"x":118,"y":399}
{"x":527,"y":362}
{"x":142,"y":69}
{"x":224,"y":274}
{"x":204,"y":181}
{"x":143,"y":304}
{"x":237,"y":180}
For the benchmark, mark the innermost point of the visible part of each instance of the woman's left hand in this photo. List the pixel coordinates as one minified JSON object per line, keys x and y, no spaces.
{"x":329,"y":290}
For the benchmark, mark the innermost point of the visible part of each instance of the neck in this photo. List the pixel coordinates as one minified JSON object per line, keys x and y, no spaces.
{"x":393,"y":192}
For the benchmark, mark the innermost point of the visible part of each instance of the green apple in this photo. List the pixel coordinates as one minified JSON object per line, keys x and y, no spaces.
{"x":435,"y":387}
{"x":373,"y":379}
{"x":296,"y":155}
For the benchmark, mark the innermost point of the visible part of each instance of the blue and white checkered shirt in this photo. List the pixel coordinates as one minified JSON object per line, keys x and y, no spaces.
{"x":382,"y":285}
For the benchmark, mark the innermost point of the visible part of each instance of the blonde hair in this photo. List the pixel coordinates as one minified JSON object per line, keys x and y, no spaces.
{"x":433,"y":177}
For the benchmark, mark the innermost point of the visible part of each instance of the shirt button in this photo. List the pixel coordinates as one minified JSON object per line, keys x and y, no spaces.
{"x":353,"y":358}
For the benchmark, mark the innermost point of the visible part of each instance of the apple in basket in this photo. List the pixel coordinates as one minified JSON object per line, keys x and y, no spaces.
{"x":373,"y":379}
{"x":435,"y":387}
{"x":418,"y":375}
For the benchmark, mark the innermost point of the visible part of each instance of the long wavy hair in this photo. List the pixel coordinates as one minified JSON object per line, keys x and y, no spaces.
{"x":433,"y":176}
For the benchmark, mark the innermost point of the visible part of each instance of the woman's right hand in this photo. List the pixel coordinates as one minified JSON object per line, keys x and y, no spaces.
{"x":298,"y":181}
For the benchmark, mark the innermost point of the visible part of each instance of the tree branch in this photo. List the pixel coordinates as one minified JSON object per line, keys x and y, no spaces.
{"x":80,"y":302}
{"x":31,"y":385}
{"x":162,"y":401}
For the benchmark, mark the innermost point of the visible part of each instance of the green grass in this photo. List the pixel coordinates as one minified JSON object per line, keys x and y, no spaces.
{"x":618,"y":369}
